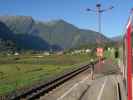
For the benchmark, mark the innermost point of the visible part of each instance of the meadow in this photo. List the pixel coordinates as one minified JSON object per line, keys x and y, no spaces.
{"x":21,"y":71}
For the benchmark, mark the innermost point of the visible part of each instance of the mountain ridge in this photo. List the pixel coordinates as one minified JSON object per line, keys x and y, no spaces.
{"x":58,"y":32}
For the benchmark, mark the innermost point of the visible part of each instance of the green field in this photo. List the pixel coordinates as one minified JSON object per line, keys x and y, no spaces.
{"x":20,"y":71}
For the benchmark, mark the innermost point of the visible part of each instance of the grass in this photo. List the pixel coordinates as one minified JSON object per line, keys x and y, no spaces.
{"x":110,"y":55}
{"x":20,"y":71}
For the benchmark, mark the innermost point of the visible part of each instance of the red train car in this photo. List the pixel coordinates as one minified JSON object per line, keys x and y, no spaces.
{"x":128,"y":57}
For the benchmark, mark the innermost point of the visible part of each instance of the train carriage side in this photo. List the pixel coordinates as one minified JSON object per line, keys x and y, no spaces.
{"x":128,"y":57}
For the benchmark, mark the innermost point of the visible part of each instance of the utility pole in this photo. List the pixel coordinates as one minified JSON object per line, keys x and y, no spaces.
{"x":98,"y":11}
{"x":99,"y":17}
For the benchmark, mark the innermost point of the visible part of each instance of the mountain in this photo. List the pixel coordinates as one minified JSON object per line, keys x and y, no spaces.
{"x":9,"y":37}
{"x":38,"y":35}
{"x":67,"y":35}
{"x":18,"y":24}
{"x":6,"y":44}
{"x":116,"y":38}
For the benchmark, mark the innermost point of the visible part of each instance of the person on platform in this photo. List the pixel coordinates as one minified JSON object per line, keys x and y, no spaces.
{"x":92,"y":69}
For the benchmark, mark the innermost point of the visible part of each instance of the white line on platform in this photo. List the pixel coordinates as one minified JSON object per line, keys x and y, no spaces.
{"x":74,"y":86}
{"x":84,"y":79}
{"x":101,"y":90}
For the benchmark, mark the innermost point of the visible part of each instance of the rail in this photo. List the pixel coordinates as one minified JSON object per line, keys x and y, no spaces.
{"x":41,"y":89}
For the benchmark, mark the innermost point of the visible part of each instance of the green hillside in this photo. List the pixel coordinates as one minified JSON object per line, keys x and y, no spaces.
{"x":39,"y":35}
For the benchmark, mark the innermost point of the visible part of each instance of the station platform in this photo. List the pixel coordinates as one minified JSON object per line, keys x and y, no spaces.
{"x":107,"y":85}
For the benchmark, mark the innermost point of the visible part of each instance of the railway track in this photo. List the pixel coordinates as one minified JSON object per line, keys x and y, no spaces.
{"x":42,"y":89}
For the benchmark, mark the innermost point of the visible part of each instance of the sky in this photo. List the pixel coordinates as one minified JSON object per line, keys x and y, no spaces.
{"x":74,"y":12}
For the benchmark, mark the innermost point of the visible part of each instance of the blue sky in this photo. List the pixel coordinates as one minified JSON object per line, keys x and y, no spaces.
{"x":72,"y":11}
